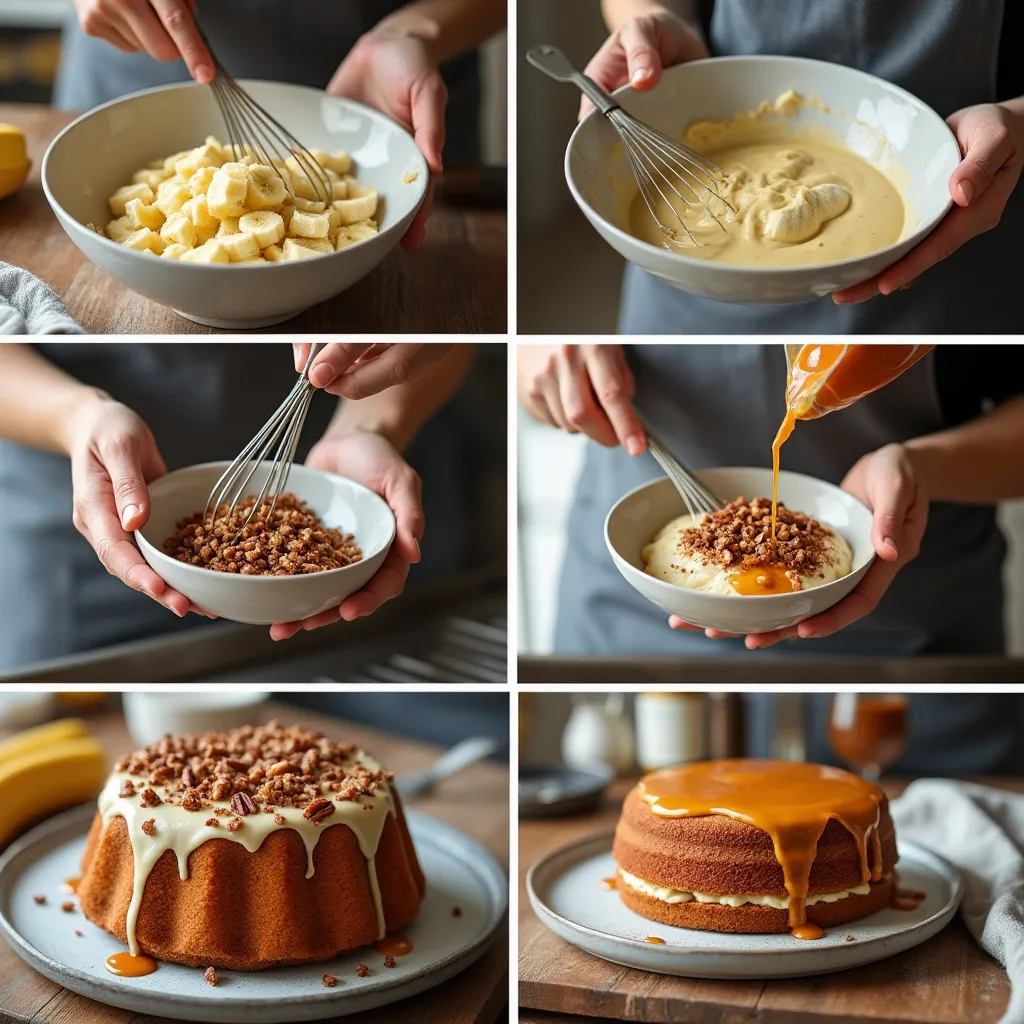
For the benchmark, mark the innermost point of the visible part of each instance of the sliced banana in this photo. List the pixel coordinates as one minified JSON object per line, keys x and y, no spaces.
{"x":265,"y":189}
{"x":352,"y":234}
{"x":199,"y":183}
{"x":171,"y":196}
{"x":309,"y":225}
{"x":175,"y":251}
{"x":228,"y":191}
{"x":119,"y":229}
{"x":265,"y":226}
{"x":273,"y":254}
{"x":360,"y":205}
{"x":180,"y":230}
{"x":293,"y":251}
{"x":309,"y":205}
{"x":145,"y":240}
{"x":240,"y":247}
{"x":123,"y":196}
{"x":228,"y":226}
{"x":211,"y":251}
{"x":143,"y":216}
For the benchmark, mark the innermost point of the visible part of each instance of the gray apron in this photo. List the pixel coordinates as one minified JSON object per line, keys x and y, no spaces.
{"x":946,"y":54}
{"x":720,"y":405}
{"x":203,"y":402}
{"x":275,"y":40}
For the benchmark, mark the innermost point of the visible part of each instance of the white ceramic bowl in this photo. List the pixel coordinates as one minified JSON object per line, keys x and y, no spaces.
{"x":339,"y":502}
{"x":151,"y":716}
{"x":882,"y":123}
{"x":100,"y":151}
{"x":639,"y":515}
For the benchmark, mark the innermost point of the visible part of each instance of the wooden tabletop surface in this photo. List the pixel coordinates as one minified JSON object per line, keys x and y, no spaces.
{"x":947,"y":980}
{"x":475,"y":802}
{"x":456,"y":283}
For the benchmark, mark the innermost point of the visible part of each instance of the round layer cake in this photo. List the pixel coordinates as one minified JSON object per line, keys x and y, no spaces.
{"x":755,"y":846}
{"x":249,"y":849}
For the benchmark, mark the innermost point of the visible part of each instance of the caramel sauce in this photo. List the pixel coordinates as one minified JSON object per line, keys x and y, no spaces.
{"x":656,"y":940}
{"x":793,"y":802}
{"x":393,"y":945}
{"x":124,"y":965}
{"x":906,"y":899}
{"x":764,"y":579}
{"x":870,"y":734}
{"x":70,"y":885}
{"x":824,"y":378}
{"x":808,"y":930}
{"x":608,"y":883}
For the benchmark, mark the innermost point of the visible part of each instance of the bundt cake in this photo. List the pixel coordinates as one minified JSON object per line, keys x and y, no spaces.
{"x":249,"y":849}
{"x":755,"y":846}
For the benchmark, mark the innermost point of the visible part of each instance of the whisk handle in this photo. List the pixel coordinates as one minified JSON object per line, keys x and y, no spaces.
{"x":554,"y":63}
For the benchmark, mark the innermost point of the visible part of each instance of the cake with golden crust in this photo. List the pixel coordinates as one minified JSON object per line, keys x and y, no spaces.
{"x":755,"y":846}
{"x":250,"y":849}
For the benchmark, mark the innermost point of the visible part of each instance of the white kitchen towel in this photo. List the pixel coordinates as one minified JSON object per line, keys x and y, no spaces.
{"x":29,"y":306}
{"x":981,"y":831}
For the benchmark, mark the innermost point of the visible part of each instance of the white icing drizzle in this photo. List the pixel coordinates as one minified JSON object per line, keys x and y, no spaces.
{"x":669,"y":895}
{"x":184,"y":831}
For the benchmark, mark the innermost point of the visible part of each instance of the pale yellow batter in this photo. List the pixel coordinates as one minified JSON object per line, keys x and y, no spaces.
{"x":797,"y":199}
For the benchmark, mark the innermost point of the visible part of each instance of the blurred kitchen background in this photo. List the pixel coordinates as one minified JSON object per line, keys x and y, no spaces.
{"x":548,"y":463}
{"x":30,"y":32}
{"x":569,"y":279}
{"x":449,"y":625}
{"x":937,"y":734}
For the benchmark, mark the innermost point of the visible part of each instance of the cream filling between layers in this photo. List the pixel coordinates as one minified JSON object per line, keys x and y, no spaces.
{"x":669,"y":895}
{"x":184,"y":831}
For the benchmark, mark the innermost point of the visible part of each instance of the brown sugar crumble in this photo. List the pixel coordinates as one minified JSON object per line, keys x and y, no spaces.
{"x":149,"y":827}
{"x":252,"y":770}
{"x":294,"y":542}
{"x":68,"y":907}
{"x":363,"y":971}
{"x":390,"y":961}
{"x":211,"y":976}
{"x":739,"y":536}
{"x":78,"y":933}
{"x":40,"y":899}
{"x":329,"y":981}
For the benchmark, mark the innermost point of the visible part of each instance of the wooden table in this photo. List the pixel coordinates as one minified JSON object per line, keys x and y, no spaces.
{"x":456,"y":283}
{"x":476,"y":802}
{"x":947,"y":980}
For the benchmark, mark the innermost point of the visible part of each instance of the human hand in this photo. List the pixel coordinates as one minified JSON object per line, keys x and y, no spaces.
{"x":395,"y":72}
{"x":113,"y":458}
{"x":371,"y":460}
{"x":885,"y":481}
{"x":639,"y":50}
{"x":165,"y":29}
{"x":358,"y":370}
{"x":584,"y":389}
{"x":991,"y":138}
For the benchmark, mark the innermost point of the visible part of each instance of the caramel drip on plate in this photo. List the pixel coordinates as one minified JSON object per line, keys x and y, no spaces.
{"x":608,"y":883}
{"x":128,"y":965}
{"x":393,"y":945}
{"x":655,"y":940}
{"x":70,"y":885}
{"x":791,"y":801}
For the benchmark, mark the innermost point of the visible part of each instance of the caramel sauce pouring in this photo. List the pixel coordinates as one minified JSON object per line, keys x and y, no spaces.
{"x":793,"y":802}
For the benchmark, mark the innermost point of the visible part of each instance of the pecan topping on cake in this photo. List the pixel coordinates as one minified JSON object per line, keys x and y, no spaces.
{"x":739,"y":537}
{"x":149,"y":827}
{"x":319,"y":810}
{"x":253,"y":768}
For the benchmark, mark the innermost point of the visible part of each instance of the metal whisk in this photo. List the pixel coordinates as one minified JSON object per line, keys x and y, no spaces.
{"x":698,"y":499}
{"x":282,"y":429}
{"x":251,"y":128}
{"x":660,"y":164}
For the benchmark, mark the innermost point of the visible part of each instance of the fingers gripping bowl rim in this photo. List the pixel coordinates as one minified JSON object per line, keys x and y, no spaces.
{"x":263,"y":600}
{"x":640,"y":513}
{"x":97,"y":153}
{"x":889,"y":127}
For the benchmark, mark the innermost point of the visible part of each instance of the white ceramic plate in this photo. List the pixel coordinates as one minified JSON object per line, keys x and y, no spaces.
{"x":565,"y":892}
{"x":459,"y":871}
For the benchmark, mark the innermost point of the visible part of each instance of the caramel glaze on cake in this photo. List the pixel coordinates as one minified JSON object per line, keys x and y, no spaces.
{"x":755,"y":846}
{"x":250,"y":849}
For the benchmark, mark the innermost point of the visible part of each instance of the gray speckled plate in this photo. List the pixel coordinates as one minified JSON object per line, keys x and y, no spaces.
{"x":460,"y":872}
{"x":565,"y":892}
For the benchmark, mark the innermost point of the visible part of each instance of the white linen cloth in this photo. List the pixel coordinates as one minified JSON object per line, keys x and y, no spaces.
{"x":981,"y":831}
{"x":30,"y":306}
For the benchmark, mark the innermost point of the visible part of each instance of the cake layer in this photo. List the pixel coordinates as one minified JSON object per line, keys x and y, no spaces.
{"x":750,"y":919}
{"x":720,"y":855}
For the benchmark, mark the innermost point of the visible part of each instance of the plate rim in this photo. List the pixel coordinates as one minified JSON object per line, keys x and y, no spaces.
{"x":76,"y":821}
{"x":598,"y":840}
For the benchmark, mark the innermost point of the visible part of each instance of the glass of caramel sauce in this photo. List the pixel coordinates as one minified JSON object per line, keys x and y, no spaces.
{"x":868,"y":730}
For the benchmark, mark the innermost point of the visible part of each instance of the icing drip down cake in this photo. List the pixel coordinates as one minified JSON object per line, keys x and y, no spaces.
{"x":755,"y":846}
{"x":249,"y":849}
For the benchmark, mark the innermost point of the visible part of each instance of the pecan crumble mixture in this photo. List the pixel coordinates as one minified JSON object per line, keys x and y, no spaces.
{"x":211,"y":976}
{"x":329,"y":981}
{"x":255,"y":770}
{"x":294,"y":542}
{"x":363,"y":971}
{"x":738,"y":537}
